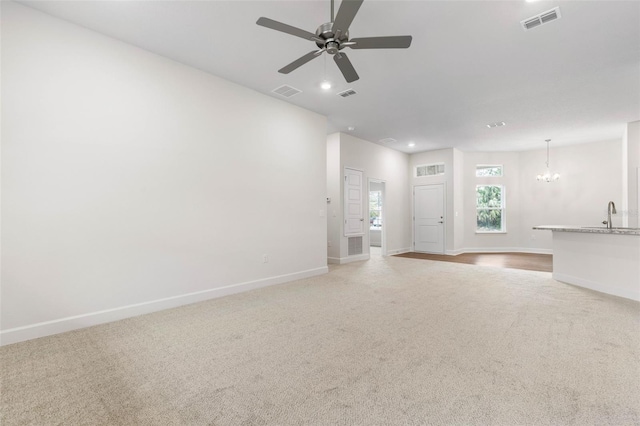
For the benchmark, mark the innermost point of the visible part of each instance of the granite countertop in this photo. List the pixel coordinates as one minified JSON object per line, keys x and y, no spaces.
{"x":590,"y":229}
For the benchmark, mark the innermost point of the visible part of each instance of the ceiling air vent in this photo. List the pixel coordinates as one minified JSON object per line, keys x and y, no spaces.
{"x":347,"y":93}
{"x":286,"y":91}
{"x":387,"y":140}
{"x":543,"y":18}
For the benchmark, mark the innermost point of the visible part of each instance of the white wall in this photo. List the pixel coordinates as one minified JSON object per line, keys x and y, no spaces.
{"x":590,"y":177}
{"x":445,"y":156}
{"x":334,"y":192}
{"x":458,"y":200}
{"x":380,"y":163}
{"x":511,"y":170}
{"x":633,"y":173}
{"x":129,"y":179}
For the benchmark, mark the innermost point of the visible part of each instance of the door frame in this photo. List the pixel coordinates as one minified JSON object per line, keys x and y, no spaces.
{"x":345,"y":202}
{"x":444,"y":208}
{"x":383,"y":213}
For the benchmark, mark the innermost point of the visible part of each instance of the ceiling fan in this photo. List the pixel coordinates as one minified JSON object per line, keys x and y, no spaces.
{"x":333,"y":36}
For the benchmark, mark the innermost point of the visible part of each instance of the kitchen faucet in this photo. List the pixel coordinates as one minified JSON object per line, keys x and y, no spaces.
{"x":611,"y":209}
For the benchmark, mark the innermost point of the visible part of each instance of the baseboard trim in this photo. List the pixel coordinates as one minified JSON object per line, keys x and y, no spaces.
{"x":349,"y":259}
{"x":591,"y":285}
{"x":398,"y":251}
{"x":498,"y":250}
{"x":48,"y":328}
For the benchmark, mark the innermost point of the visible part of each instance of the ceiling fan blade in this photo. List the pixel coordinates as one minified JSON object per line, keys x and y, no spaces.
{"x":279,"y":26}
{"x":300,"y":61}
{"x":346,"y":13}
{"x":345,"y":66}
{"x":392,"y":42}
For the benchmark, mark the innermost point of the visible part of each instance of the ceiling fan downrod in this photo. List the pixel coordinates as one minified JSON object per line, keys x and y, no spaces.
{"x":332,"y":37}
{"x":332,"y":15}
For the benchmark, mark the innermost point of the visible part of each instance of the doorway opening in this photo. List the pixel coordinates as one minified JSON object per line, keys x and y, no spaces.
{"x":377,"y":225}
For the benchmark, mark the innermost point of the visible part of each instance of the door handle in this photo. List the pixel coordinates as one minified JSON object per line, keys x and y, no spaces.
{"x":441,"y":221}
{"x":361,"y":220}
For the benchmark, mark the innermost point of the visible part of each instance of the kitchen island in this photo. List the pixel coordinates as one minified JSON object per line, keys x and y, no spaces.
{"x":598,"y":258}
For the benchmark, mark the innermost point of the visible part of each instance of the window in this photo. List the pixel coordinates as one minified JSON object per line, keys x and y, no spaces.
{"x":483,"y":170}
{"x":490,"y":208}
{"x":375,"y":209}
{"x":430,"y":170}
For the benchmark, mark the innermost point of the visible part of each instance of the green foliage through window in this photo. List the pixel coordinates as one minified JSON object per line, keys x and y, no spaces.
{"x":490,"y":208}
{"x":488,"y":170}
{"x":430,"y":169}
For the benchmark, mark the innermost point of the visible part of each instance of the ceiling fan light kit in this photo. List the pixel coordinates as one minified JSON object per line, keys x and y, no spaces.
{"x":332,"y":37}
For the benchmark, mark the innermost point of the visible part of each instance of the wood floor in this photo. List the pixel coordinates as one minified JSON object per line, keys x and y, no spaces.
{"x":530,"y":262}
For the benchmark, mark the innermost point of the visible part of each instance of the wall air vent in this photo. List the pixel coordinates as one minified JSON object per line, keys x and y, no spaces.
{"x":347,"y":93}
{"x":543,"y":18}
{"x":387,"y":140}
{"x":286,"y":91}
{"x":355,"y":246}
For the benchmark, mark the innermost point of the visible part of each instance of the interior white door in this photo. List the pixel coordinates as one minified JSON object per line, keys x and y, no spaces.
{"x":428,"y":204}
{"x":353,"y":206}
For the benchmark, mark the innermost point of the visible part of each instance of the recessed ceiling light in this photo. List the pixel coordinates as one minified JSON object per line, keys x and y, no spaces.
{"x":325,"y":85}
{"x":498,"y":124}
{"x":351,"y":128}
{"x":411,"y":144}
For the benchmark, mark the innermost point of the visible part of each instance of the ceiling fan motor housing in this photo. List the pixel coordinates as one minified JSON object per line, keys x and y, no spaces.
{"x":332,"y":37}
{"x":331,"y":43}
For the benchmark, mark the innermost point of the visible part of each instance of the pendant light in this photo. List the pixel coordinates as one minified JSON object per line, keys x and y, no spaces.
{"x":547,"y":176}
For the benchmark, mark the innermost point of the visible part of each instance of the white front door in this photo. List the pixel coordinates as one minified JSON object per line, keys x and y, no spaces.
{"x":428,"y":204}
{"x":353,"y":203}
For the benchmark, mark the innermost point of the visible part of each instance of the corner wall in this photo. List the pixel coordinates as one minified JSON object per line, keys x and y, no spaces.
{"x":510,"y":240}
{"x":445,"y":156}
{"x":132,"y":183}
{"x":334,"y":193}
{"x":633,"y":173}
{"x":590,"y":177}
{"x":377,"y":162}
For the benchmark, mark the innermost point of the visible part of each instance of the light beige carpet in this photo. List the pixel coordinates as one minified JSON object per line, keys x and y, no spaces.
{"x":391,"y":341}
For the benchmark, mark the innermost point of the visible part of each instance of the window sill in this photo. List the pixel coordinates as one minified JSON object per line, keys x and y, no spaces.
{"x":490,"y":232}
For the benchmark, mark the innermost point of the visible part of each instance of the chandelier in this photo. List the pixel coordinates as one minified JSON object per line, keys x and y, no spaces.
{"x":547,"y":176}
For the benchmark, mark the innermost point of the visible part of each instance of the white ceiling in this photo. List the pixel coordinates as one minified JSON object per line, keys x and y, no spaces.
{"x":573,"y":80}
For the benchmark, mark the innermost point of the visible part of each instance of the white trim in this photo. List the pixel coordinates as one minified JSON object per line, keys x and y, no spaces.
{"x":47,"y":328}
{"x":503,"y":209}
{"x":362,"y":206}
{"x":491,"y":165}
{"x":499,"y":250}
{"x":349,"y":259}
{"x":591,"y":285}
{"x":399,"y":251}
{"x":415,"y":170}
{"x":445,"y":214}
{"x":383,"y":213}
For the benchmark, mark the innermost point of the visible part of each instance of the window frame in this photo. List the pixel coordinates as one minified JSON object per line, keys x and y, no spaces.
{"x":502,"y":208}
{"x":501,"y":166}
{"x":415,"y":169}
